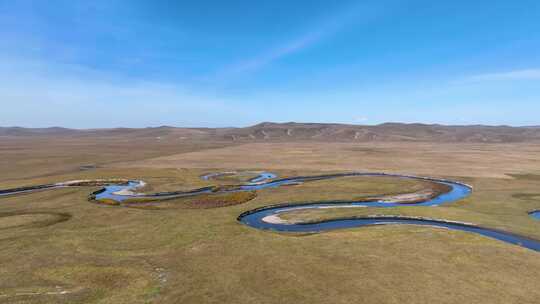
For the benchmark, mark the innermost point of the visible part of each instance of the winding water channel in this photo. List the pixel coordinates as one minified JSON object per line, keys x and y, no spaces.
{"x":535,"y":214}
{"x":268,"y":218}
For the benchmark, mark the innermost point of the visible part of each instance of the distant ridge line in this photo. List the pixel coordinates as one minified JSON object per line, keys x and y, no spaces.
{"x":293,"y":131}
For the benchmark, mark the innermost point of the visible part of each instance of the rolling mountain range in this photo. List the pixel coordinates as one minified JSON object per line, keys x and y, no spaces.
{"x":269,"y":131}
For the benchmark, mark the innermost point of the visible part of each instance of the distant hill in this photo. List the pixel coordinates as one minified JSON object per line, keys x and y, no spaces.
{"x":18,"y":131}
{"x":269,"y":131}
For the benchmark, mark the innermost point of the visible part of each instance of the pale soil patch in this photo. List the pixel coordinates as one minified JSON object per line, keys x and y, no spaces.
{"x":274,"y":219}
{"x":408,"y":197}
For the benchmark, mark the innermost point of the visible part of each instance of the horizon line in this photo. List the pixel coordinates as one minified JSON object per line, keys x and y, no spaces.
{"x":279,"y":123}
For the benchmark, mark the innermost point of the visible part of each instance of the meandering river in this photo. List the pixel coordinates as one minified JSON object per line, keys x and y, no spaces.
{"x":268,"y":218}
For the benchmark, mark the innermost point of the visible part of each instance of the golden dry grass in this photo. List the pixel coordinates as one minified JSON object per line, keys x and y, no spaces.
{"x":478,"y":160}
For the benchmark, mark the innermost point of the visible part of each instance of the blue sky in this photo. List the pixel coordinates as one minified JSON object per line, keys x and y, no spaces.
{"x":87,"y":64}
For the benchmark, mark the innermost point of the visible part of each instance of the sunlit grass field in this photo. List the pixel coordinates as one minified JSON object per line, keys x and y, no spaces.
{"x":58,"y":247}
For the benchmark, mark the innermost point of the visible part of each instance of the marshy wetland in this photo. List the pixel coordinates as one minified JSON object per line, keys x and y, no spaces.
{"x":59,"y":247}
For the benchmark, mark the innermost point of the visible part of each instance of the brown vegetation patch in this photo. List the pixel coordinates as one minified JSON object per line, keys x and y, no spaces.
{"x":203,"y":201}
{"x":107,"y":201}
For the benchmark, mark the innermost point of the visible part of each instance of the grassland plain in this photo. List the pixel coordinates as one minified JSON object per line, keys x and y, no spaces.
{"x":463,"y":159}
{"x":110,"y":254}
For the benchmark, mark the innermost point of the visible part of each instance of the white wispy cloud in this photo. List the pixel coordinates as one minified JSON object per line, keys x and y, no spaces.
{"x":527,"y":74}
{"x":317,"y":32}
{"x":266,"y":58}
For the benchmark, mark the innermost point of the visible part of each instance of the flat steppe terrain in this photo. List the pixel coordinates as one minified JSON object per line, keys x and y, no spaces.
{"x":57,"y":247}
{"x":434,"y":159}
